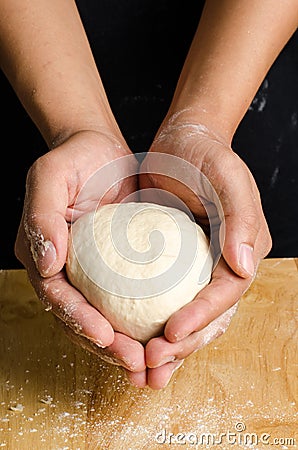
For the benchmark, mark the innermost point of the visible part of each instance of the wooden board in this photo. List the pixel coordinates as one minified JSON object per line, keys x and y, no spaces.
{"x":240,"y":389}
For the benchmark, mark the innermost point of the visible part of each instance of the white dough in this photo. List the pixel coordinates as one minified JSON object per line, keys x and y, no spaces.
{"x":138,"y":263}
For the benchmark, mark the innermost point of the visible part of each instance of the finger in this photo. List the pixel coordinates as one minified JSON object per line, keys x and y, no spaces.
{"x":128,"y":355}
{"x":43,"y":218}
{"x":244,"y":219}
{"x":72,"y":308}
{"x":128,"y":352}
{"x":86,"y":322}
{"x":137,"y":379}
{"x":159,"y":378}
{"x":80,"y":340}
{"x":224,"y":290}
{"x":160,"y":351}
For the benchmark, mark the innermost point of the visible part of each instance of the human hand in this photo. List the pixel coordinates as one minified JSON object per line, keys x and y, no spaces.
{"x":51,"y":202}
{"x":244,"y":235}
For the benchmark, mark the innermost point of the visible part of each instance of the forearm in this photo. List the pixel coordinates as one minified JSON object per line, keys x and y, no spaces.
{"x":235,"y":44}
{"x":46,"y":57}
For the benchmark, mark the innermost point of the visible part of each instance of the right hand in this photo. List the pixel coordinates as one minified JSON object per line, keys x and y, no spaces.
{"x":53,"y":184}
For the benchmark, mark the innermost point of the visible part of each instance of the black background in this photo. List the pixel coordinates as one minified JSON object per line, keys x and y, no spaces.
{"x":139,"y":48}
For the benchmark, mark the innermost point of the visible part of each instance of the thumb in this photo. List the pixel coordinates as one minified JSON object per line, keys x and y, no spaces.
{"x":44,"y":220}
{"x":243,"y":223}
{"x":240,"y":232}
{"x":48,"y":235}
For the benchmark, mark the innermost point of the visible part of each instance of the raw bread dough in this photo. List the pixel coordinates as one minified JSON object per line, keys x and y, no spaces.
{"x":138,"y":263}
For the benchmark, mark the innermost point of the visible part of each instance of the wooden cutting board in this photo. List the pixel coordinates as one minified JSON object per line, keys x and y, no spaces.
{"x":241,"y":389}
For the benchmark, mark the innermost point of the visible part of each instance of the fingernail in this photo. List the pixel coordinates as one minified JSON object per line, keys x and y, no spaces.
{"x":110,"y":359}
{"x":165,"y":361}
{"x":44,"y":254}
{"x":246,"y":261}
{"x":180,"y":336}
{"x":98,"y":344}
{"x":179,"y":364}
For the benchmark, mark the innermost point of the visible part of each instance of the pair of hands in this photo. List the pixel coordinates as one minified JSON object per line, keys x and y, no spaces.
{"x":53,"y":184}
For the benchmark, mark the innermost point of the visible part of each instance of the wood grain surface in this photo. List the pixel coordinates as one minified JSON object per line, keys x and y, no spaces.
{"x":240,"y":391}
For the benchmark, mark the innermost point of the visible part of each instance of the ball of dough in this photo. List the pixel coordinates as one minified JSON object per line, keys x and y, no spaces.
{"x":138,"y":263}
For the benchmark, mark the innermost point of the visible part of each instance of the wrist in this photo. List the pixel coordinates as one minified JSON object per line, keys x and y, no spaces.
{"x":59,"y":115}
{"x":203,"y":114}
{"x":97,"y":121}
{"x":232,"y":50}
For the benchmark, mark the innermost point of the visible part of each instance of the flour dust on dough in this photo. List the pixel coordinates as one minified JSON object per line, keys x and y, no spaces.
{"x":138,"y":263}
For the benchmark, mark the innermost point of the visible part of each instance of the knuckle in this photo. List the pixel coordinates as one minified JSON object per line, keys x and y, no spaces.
{"x":43,"y":167}
{"x":266,"y":243}
{"x":21,"y":246}
{"x":34,"y":168}
{"x":250,"y":220}
{"x":18,"y":252}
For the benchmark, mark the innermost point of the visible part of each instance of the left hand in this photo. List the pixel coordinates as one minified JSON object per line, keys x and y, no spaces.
{"x":209,"y":314}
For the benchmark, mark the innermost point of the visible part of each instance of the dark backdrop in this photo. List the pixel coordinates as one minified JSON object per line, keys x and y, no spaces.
{"x":140,"y":48}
